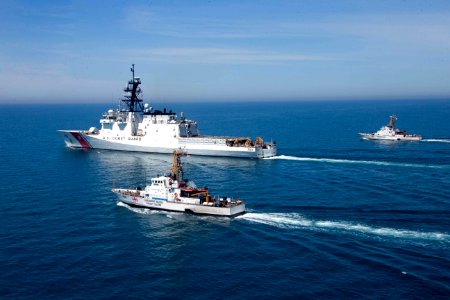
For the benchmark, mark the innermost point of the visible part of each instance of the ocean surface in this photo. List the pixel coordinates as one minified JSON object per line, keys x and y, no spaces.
{"x":331,"y":217}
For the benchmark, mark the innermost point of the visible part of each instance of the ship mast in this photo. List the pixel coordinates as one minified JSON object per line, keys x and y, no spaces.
{"x":177,"y":169}
{"x":392,"y":121}
{"x":133,"y":99}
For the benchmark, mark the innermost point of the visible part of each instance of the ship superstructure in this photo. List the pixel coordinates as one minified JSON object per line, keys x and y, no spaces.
{"x":138,"y":127}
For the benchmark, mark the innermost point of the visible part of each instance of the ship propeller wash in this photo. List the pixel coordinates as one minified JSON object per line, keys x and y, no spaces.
{"x":391,"y":133}
{"x":138,"y":127}
{"x":173,"y":193}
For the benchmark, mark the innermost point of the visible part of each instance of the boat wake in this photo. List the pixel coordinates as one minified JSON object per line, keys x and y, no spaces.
{"x":350,"y":161}
{"x":296,"y":221}
{"x":436,"y":140}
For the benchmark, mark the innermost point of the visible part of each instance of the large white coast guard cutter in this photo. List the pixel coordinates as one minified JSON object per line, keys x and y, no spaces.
{"x":138,"y":127}
{"x":173,"y":193}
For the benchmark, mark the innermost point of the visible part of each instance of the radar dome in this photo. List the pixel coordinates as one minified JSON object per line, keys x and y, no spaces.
{"x":93,"y":130}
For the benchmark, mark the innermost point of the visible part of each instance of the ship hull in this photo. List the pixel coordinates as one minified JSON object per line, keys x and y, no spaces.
{"x":82,"y":139}
{"x":406,"y":138}
{"x":139,"y":201}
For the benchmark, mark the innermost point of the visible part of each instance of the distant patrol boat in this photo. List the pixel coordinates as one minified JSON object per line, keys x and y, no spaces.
{"x":391,"y":133}
{"x":138,"y":127}
{"x":173,"y":193}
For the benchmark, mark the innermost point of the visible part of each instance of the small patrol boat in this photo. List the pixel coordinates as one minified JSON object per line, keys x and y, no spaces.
{"x":391,"y":133}
{"x":173,"y":193}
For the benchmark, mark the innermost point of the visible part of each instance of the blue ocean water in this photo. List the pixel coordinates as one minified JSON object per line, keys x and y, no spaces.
{"x":332,"y":216}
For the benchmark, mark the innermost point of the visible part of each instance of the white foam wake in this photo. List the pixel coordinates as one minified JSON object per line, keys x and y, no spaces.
{"x":437,"y":140}
{"x":296,"y":221}
{"x":349,"y":161}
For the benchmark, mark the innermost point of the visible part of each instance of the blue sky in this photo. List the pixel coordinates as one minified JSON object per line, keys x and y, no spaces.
{"x":81,"y":51}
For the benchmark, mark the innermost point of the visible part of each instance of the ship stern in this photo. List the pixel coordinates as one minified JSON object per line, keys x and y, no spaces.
{"x":267,"y":150}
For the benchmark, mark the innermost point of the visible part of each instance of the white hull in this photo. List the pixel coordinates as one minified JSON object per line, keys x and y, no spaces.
{"x":209,"y":146}
{"x":148,"y":202}
{"x":372,"y":136}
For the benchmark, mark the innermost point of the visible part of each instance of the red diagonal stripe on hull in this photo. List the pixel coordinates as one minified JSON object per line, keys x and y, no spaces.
{"x":81,"y":140}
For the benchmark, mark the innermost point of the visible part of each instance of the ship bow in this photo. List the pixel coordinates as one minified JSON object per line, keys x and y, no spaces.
{"x":75,"y":138}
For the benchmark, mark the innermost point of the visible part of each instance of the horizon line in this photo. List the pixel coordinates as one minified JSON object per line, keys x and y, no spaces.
{"x":237,"y":101}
